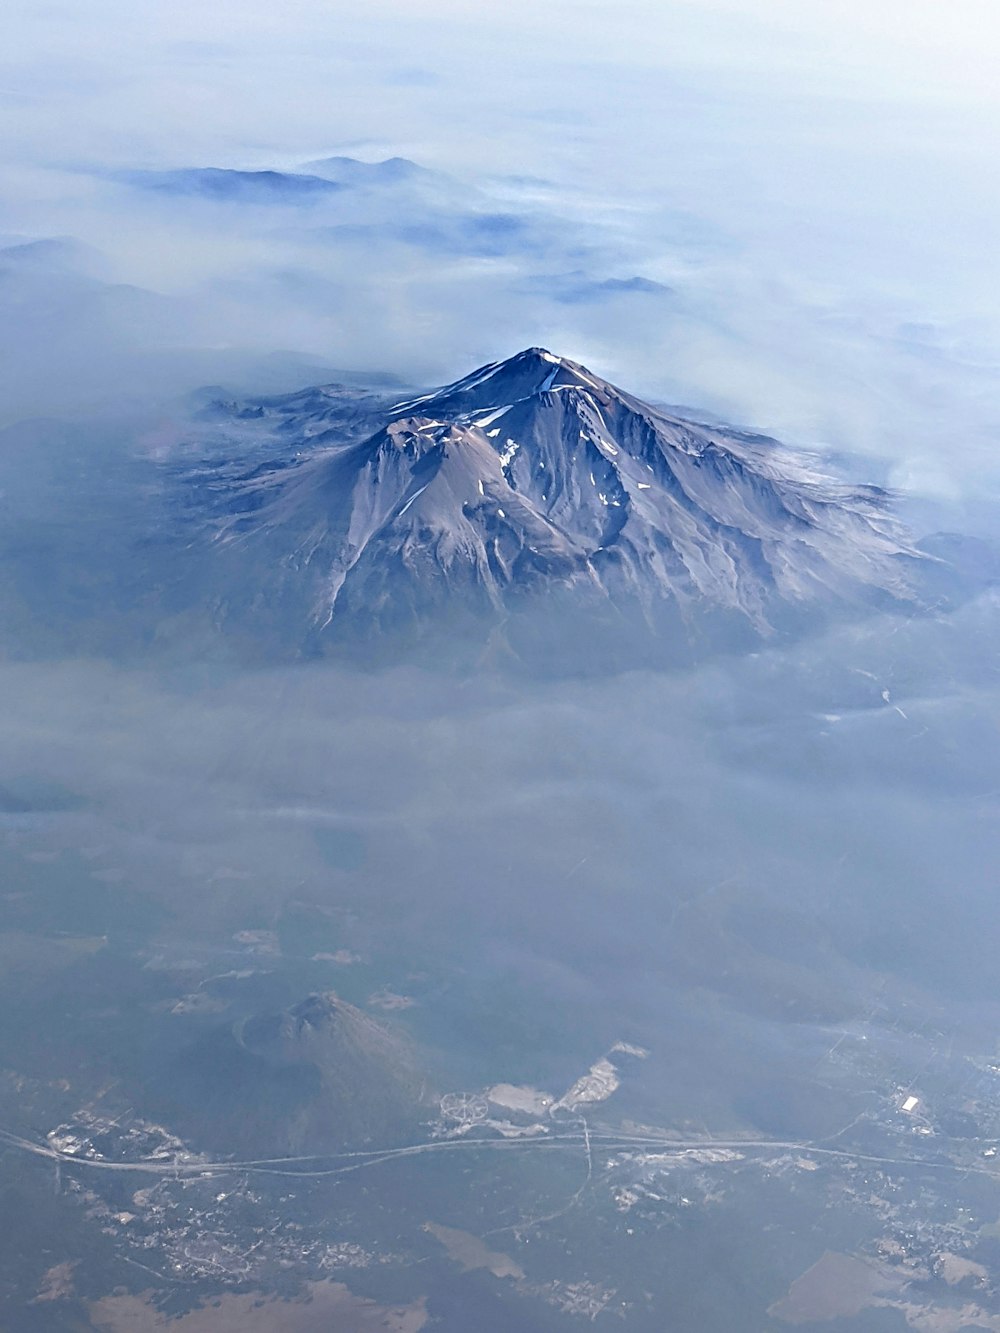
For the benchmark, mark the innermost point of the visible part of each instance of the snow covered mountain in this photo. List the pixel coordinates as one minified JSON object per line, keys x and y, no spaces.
{"x":532,"y":475}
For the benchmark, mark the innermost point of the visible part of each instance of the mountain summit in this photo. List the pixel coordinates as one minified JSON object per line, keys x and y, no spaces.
{"x":531,"y":372}
{"x":533,"y":475}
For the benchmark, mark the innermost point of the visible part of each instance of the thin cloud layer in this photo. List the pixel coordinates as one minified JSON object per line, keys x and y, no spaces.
{"x":721,"y":205}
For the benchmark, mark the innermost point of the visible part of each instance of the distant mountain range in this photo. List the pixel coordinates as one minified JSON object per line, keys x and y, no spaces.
{"x":533,"y":478}
{"x":225,"y":184}
{"x":326,"y":176}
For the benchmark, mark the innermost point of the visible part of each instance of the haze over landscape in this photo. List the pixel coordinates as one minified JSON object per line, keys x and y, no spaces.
{"x":498,"y":753}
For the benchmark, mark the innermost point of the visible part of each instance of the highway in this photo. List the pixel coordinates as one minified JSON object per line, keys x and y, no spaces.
{"x":333,"y":1164}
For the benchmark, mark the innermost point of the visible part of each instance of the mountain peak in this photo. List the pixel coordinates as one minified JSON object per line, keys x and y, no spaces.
{"x":528,"y":374}
{"x":536,"y":354}
{"x":532,"y":475}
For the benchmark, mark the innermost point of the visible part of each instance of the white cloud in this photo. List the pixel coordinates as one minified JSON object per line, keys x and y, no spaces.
{"x":813,"y":179}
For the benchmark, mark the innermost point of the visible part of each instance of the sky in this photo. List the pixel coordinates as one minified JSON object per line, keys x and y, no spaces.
{"x":814,"y":184}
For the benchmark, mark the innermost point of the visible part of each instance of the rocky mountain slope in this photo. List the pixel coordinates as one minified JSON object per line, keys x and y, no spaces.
{"x":533,"y":476}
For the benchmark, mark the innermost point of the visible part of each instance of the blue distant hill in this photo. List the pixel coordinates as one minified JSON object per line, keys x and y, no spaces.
{"x":352,"y":171}
{"x":266,"y":187}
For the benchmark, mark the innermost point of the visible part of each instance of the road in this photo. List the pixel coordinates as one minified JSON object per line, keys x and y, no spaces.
{"x":332,"y":1164}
